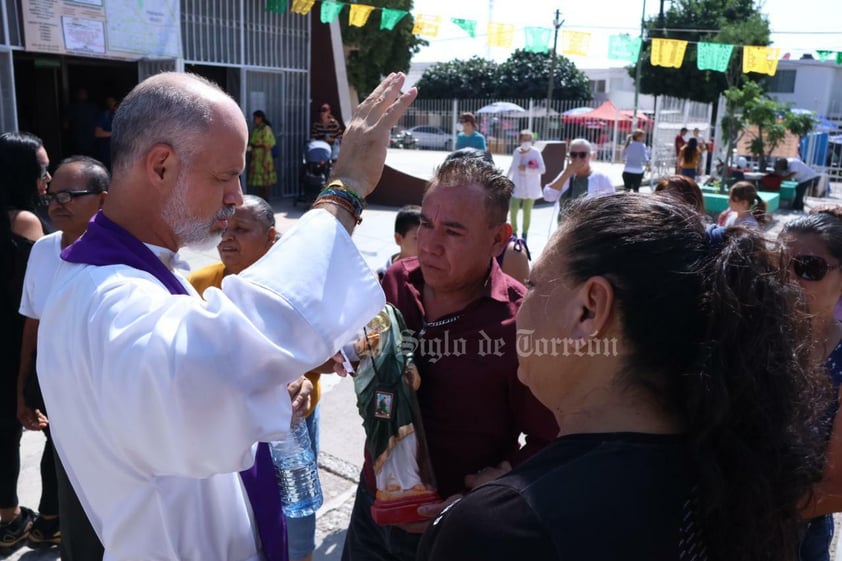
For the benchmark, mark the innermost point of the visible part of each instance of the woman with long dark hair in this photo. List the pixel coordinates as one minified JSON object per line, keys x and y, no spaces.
{"x":678,"y":367}
{"x":689,"y":157}
{"x":25,"y":177}
{"x":25,"y":166}
{"x":813,"y":246}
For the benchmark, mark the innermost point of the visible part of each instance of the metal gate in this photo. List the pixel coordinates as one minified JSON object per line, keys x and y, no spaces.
{"x":8,"y":108}
{"x":150,"y":67}
{"x":272,"y":52}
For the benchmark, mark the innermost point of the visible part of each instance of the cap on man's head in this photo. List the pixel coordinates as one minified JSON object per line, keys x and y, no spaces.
{"x":325,"y":108}
{"x":468,"y":118}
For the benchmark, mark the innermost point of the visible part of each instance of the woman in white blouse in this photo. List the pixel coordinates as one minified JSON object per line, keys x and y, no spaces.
{"x":578,"y":179}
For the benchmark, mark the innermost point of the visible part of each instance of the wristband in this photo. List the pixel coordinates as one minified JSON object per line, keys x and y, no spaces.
{"x":342,"y":203}
{"x":341,"y":195}
{"x":339,"y":185}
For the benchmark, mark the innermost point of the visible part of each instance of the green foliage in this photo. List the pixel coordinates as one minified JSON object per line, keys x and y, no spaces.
{"x":735,"y":22}
{"x":375,"y":52}
{"x":475,"y":77}
{"x":523,"y":74}
{"x":799,"y":123}
{"x":749,"y":106}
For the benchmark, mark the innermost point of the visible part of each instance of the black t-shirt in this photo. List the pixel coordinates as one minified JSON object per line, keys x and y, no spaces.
{"x":584,"y":497}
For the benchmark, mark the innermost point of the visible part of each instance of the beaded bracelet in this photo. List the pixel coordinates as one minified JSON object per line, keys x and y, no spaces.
{"x":341,"y":202}
{"x":337,"y":187}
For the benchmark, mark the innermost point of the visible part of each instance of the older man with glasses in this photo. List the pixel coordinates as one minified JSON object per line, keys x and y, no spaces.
{"x":74,"y":194}
{"x":578,"y":179}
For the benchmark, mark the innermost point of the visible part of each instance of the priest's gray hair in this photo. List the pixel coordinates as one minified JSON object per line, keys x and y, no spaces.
{"x":163,"y":109}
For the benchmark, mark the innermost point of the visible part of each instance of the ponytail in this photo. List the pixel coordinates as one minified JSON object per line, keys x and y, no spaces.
{"x":758,"y":210}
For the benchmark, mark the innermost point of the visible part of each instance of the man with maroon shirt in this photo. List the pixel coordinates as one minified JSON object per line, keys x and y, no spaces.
{"x":680,"y":141}
{"x":460,"y":308}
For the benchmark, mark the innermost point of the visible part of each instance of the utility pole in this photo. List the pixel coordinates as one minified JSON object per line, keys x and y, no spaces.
{"x":637,"y":68}
{"x":557,"y":23}
{"x":488,"y":52}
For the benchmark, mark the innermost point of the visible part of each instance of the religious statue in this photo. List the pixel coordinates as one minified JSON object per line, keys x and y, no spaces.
{"x":385,"y":384}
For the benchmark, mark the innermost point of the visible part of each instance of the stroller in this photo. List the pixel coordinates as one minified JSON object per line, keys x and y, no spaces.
{"x":315,"y":170}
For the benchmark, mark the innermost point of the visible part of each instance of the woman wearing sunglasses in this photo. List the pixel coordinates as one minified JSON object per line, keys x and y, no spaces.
{"x":578,"y":179}
{"x":813,"y":246}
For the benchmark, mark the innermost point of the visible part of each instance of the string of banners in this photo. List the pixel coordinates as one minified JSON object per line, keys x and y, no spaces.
{"x":668,"y":53}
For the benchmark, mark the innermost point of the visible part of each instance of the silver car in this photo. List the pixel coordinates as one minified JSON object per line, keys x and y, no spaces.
{"x":427,"y":136}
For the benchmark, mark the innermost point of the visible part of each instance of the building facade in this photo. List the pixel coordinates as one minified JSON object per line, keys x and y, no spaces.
{"x":262,"y":59}
{"x":809,"y":84}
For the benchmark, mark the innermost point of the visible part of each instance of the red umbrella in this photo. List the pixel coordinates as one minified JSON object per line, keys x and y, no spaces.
{"x":608,"y":114}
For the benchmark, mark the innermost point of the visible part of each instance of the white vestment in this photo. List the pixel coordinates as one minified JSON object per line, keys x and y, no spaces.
{"x":156,"y":400}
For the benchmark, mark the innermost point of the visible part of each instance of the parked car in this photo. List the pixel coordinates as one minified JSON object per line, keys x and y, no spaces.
{"x":401,"y":138}
{"x":427,"y":136}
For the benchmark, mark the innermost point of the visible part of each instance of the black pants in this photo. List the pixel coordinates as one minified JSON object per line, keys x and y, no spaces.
{"x":79,"y":542}
{"x":800,"y":191}
{"x":10,"y":433}
{"x":632,"y":181}
{"x":366,"y":540}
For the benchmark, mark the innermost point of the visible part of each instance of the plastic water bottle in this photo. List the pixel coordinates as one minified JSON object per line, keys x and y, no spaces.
{"x":297,"y":471}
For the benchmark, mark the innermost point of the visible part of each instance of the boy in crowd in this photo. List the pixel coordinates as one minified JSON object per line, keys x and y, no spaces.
{"x":406,"y":236}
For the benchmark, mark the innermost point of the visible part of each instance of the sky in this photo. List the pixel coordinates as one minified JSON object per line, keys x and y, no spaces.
{"x":797,"y":26}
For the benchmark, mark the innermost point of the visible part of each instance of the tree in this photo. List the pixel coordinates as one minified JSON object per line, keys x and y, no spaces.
{"x":527,"y":74}
{"x":773,"y":120}
{"x":735,"y":22}
{"x":749,"y":106}
{"x":375,"y":52}
{"x":475,"y":77}
{"x":523,"y":74}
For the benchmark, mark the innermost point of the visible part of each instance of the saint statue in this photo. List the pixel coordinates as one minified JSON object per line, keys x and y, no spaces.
{"x":385,"y":384}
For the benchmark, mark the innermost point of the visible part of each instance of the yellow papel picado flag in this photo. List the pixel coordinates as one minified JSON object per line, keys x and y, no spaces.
{"x":668,"y":52}
{"x":426,"y":25}
{"x":501,"y":35}
{"x":575,"y":43}
{"x":302,"y":7}
{"x":763,"y":60}
{"x":359,"y":14}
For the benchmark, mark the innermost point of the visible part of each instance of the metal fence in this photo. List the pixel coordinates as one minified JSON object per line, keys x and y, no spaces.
{"x":671,"y":115}
{"x":501,"y":129}
{"x":562,"y":121}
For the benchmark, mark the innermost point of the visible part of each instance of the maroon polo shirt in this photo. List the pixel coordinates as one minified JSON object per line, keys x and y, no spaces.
{"x":472,"y":404}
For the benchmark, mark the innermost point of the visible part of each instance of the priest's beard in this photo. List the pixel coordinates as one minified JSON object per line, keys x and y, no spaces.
{"x":190,"y":230}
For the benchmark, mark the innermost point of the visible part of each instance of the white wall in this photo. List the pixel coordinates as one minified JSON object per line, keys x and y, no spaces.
{"x":817,"y":85}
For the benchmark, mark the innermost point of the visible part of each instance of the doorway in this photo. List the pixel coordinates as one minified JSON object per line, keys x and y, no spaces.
{"x":46,"y":89}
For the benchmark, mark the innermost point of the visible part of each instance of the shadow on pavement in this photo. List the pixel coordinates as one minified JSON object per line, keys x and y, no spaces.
{"x":330,"y":549}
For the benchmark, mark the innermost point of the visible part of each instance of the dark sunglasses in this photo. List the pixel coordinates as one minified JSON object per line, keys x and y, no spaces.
{"x":64,"y":197}
{"x":811,"y":267}
{"x":575,"y":155}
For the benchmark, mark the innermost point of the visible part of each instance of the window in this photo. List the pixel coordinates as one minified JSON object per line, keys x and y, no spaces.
{"x":782,"y":82}
{"x":597,"y":86}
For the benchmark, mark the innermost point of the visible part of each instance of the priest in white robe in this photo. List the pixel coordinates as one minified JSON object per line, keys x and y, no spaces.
{"x":158,"y":398}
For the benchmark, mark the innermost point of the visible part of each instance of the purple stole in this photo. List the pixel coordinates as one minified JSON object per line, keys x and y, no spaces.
{"x":106,"y":243}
